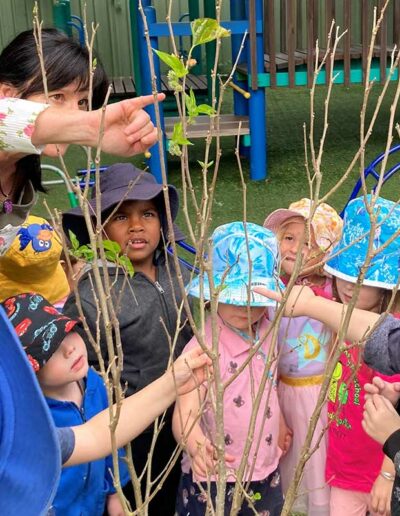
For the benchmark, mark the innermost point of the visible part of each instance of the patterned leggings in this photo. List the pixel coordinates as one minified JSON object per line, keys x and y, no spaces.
{"x":267,"y":497}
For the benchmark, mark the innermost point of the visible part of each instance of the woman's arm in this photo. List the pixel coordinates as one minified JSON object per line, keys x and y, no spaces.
{"x":128,"y":129}
{"x":92,"y":439}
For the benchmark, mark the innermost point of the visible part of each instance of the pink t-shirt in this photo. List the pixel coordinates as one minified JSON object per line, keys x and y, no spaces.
{"x":233,"y":351}
{"x":354,"y":460}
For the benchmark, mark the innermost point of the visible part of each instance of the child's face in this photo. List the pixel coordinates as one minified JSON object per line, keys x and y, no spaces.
{"x":238,"y":316}
{"x":290,"y":241}
{"x":69,"y":97}
{"x":68,"y":364}
{"x":369,"y":298}
{"x":136,"y":227}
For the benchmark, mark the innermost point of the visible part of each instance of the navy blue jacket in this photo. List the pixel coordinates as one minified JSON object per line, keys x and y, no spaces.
{"x":83,"y":489}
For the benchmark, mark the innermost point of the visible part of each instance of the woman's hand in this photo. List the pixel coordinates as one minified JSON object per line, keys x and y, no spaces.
{"x":128,"y":129}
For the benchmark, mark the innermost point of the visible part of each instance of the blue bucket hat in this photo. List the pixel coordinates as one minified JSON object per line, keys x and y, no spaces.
{"x":30,"y":458}
{"x":231,"y":249}
{"x":345,"y":263}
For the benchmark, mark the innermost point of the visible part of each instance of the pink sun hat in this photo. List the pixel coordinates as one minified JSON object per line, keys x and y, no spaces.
{"x":326,"y":222}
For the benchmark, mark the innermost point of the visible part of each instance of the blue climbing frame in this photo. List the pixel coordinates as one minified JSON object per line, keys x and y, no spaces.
{"x":246,"y":16}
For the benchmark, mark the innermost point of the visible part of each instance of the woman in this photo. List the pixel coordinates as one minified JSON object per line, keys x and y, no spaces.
{"x":27,"y":126}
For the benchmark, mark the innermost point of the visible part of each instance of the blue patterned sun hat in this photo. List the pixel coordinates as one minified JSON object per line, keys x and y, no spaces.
{"x":345,"y":263}
{"x":231,"y":250}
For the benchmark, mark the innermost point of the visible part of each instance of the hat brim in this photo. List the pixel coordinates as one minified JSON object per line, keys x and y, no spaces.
{"x":73,"y":220}
{"x":278,"y":217}
{"x":30,"y":458}
{"x":333,"y":268}
{"x":237,"y":292}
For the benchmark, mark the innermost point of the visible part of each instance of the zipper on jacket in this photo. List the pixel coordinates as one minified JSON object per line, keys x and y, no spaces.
{"x":159,"y":287}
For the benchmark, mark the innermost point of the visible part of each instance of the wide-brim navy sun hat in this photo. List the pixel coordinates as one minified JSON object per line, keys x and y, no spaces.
{"x":30,"y":457}
{"x":349,"y":255}
{"x":244,"y":256}
{"x":122,"y":182}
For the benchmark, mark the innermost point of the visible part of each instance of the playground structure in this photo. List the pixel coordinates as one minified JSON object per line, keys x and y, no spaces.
{"x":262,"y":65}
{"x":279,"y":52}
{"x":248,"y":119}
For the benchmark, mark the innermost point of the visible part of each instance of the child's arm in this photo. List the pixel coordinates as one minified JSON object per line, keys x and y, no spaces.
{"x":128,"y":129}
{"x":381,"y":492}
{"x":285,"y":435}
{"x":303,"y":302}
{"x":186,"y":428}
{"x":92,"y":439}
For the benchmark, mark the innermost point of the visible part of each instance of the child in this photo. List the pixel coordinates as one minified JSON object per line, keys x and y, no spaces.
{"x":347,"y":441}
{"x":30,"y":453}
{"x":145,"y":304}
{"x":32,"y":263}
{"x":303,"y":344}
{"x":74,"y":394}
{"x":241,"y":325}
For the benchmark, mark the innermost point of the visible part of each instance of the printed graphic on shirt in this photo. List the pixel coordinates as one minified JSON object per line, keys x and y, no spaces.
{"x":310,"y":345}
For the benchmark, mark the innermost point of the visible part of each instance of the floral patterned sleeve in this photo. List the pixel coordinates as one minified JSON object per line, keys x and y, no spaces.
{"x":17,"y":122}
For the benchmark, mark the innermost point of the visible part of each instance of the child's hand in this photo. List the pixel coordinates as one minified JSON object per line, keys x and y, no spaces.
{"x":390,"y":391}
{"x":380,"y":418}
{"x":297,"y":300}
{"x":204,"y":460}
{"x":381,"y":495}
{"x":189,"y":370}
{"x":285,"y":436}
{"x":114,"y":506}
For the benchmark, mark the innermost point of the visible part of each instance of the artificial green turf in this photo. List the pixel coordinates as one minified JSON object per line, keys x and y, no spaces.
{"x":287,"y":110}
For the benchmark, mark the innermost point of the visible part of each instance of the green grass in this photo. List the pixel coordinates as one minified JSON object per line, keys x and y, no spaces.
{"x":287,"y":110}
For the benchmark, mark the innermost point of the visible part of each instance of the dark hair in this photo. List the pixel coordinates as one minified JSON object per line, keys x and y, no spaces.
{"x":65,"y":62}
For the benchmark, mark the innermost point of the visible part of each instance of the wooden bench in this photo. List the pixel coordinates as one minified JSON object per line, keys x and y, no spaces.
{"x":124,"y":87}
{"x":228,"y":126}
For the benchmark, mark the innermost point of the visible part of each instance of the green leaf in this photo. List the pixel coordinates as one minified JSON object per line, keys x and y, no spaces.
{"x":205,"y":30}
{"x":191,"y":105}
{"x":127,"y":265}
{"x":256,"y":496}
{"x":205,"y":109}
{"x":73,"y":239}
{"x":112,"y":246}
{"x":173,"y":62}
{"x":178,"y":137}
{"x":204,"y":165}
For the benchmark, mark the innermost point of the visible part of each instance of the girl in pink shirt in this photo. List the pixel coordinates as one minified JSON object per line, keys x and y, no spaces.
{"x":304,"y":345}
{"x":360,"y":475}
{"x":243,"y":255}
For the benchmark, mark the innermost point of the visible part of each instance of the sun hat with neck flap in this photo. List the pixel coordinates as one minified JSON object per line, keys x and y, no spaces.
{"x":123,"y":182}
{"x":326,"y":222}
{"x":30,"y":457}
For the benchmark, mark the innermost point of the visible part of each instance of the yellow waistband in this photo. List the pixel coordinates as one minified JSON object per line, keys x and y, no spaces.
{"x":295,"y":381}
